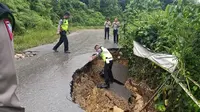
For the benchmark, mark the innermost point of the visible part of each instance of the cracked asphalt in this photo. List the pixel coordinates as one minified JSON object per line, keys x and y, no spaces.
{"x":44,"y":80}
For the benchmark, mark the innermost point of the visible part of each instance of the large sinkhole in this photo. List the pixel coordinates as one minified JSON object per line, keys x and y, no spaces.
{"x":130,"y":97}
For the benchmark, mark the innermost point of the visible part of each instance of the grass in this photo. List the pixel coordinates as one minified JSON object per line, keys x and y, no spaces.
{"x":33,"y":38}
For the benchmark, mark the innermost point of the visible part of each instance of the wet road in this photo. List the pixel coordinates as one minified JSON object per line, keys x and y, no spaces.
{"x":44,"y":80}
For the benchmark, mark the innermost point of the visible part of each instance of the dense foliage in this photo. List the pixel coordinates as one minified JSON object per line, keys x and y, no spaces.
{"x":44,"y":14}
{"x":167,"y":26}
{"x":172,"y":29}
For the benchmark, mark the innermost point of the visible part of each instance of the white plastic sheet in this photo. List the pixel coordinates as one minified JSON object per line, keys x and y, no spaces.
{"x":166,"y":61}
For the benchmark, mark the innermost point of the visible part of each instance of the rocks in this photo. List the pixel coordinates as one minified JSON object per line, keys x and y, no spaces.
{"x":118,"y":57}
{"x":142,"y":93}
{"x":121,"y":53}
{"x":116,"y":109}
{"x":92,"y":99}
{"x":19,"y":56}
{"x":25,"y":54}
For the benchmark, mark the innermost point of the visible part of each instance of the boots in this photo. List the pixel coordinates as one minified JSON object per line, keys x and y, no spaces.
{"x":104,"y":85}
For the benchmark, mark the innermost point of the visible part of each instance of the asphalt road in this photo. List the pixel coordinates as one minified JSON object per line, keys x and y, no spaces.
{"x":44,"y":80}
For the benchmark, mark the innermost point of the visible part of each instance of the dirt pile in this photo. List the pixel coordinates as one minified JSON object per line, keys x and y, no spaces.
{"x":92,"y":99}
{"x":141,"y":94}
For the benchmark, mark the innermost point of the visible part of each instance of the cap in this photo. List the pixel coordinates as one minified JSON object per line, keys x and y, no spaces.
{"x":67,"y":14}
{"x":6,"y":13}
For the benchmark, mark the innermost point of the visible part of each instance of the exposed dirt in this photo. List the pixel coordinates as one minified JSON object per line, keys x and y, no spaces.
{"x":92,"y":99}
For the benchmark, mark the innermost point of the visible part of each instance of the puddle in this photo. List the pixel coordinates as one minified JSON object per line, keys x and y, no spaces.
{"x":130,"y":97}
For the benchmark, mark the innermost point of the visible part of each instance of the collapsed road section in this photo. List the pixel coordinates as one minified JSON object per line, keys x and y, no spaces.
{"x":129,"y":97}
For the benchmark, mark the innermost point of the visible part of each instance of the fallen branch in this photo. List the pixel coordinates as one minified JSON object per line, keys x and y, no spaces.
{"x":193,"y":81}
{"x":186,"y":90}
{"x":156,"y":92}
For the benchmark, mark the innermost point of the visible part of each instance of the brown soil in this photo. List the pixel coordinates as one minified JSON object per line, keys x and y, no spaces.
{"x":92,"y":99}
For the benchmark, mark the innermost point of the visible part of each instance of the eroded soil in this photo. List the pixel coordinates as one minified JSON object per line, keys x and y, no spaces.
{"x":92,"y":99}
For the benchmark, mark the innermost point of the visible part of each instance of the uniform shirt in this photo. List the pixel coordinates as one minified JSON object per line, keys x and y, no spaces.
{"x":8,"y":79}
{"x":60,"y":24}
{"x":115,"y":25}
{"x":106,"y":54}
{"x":107,"y":24}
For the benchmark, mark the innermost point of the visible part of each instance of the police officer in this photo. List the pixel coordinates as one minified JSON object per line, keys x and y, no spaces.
{"x":8,"y":80}
{"x":108,"y":60}
{"x":62,"y":30}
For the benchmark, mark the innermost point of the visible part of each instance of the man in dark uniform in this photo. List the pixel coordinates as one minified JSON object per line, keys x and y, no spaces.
{"x":8,"y":80}
{"x":62,"y":30}
{"x":108,"y":59}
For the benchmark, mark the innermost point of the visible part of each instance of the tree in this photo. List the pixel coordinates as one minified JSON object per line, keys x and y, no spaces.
{"x":110,"y":8}
{"x":85,"y":1}
{"x":94,"y":4}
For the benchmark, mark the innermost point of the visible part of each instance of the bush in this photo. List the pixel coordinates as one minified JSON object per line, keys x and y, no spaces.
{"x":42,"y":14}
{"x":174,"y":31}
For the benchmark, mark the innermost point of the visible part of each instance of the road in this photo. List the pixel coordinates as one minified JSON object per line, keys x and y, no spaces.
{"x":44,"y":80}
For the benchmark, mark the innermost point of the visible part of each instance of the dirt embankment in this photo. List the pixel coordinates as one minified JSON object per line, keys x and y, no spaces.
{"x":92,"y":99}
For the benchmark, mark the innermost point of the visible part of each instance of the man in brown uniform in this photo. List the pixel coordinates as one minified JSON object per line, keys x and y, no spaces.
{"x":8,"y":80}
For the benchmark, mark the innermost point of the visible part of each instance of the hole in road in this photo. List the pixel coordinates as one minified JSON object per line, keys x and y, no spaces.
{"x":130,"y":97}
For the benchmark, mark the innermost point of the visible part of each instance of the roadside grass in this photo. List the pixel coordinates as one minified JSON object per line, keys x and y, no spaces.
{"x":33,"y":38}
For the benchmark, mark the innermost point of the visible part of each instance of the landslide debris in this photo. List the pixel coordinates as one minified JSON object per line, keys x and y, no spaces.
{"x":92,"y":99}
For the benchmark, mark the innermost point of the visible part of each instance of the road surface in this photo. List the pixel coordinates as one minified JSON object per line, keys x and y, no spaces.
{"x":44,"y":80}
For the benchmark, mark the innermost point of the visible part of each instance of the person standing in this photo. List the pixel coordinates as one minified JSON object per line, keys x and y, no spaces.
{"x":116,"y":25}
{"x":108,"y":60}
{"x":62,"y":30}
{"x":8,"y":80}
{"x":107,"y":25}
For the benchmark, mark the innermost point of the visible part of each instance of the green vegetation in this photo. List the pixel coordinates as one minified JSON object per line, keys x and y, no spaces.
{"x":168,"y":26}
{"x":172,"y":29}
{"x":37,"y":19}
{"x":44,"y":14}
{"x":33,"y":38}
